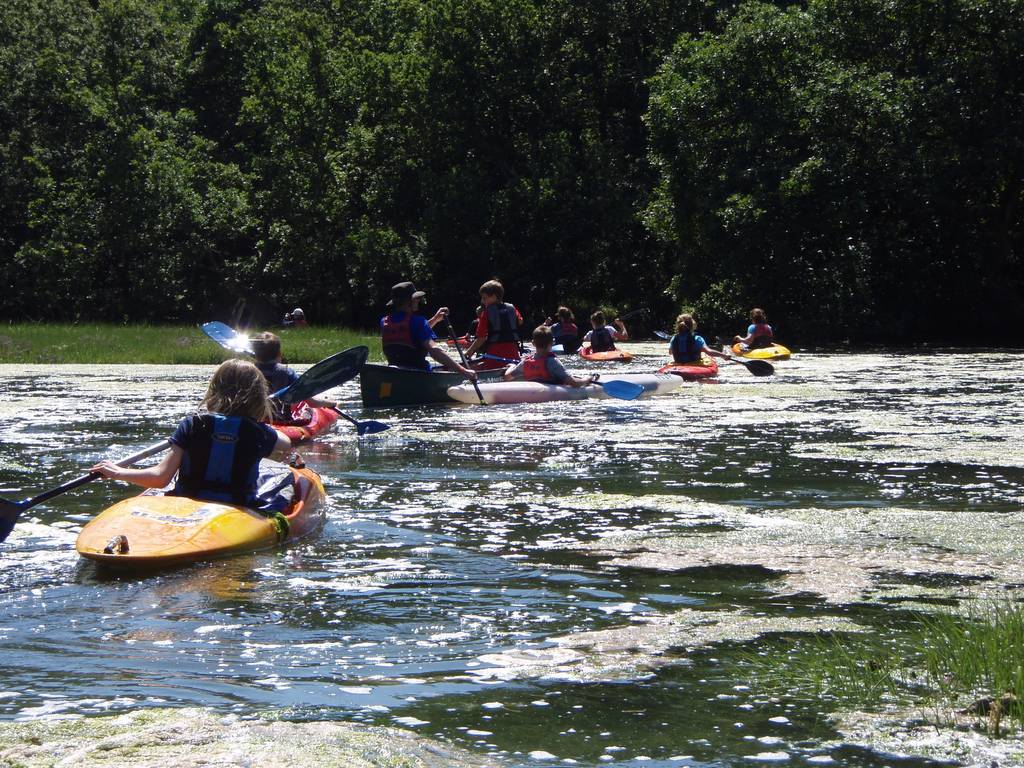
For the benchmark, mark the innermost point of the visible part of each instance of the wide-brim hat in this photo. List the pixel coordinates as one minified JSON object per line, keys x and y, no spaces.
{"x":403,"y":292}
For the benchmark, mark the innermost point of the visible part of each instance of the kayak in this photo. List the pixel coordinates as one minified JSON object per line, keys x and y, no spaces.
{"x":707,"y":368}
{"x":612,"y":355}
{"x":154,"y":530}
{"x":463,"y":341}
{"x":504,"y":392}
{"x":384,"y":386}
{"x":774,"y":352}
{"x":320,"y":420}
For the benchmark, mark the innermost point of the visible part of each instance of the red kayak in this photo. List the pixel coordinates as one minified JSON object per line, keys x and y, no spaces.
{"x":464,"y":341}
{"x":307,"y":422}
{"x":612,"y":355}
{"x":705,"y":368}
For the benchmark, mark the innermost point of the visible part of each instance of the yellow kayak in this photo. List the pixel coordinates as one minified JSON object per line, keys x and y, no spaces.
{"x":774,"y":352}
{"x":156,"y":531}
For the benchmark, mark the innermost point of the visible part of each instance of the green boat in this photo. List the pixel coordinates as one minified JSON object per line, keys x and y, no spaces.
{"x":384,"y":386}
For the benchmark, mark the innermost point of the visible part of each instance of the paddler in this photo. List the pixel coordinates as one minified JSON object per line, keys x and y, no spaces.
{"x":564,"y":330}
{"x":759,"y":333}
{"x":407,"y":338}
{"x":216,"y":454}
{"x":266,"y":348}
{"x":603,"y":336}
{"x":686,"y":346}
{"x":497,"y":329}
{"x":542,"y":365}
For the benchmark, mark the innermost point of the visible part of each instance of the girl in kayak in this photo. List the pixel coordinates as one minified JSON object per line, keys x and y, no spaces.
{"x":686,"y":346}
{"x":565,"y":331}
{"x":542,"y":365}
{"x":603,"y":337}
{"x":216,"y":454}
{"x":759,"y":333}
{"x":497,"y":330}
{"x":266,"y":348}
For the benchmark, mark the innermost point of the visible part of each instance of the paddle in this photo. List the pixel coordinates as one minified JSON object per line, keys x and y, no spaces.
{"x":11,"y":510}
{"x":369,"y":427}
{"x":328,"y":373}
{"x":621,"y":390}
{"x":227,"y":337}
{"x":451,"y":332}
{"x":634,"y":313}
{"x":756,"y":367}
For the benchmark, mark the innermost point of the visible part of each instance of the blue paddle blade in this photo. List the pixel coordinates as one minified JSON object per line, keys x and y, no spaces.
{"x":662,"y":335}
{"x":8,"y":517}
{"x":227,"y":337}
{"x":623,"y":390}
{"x":371,"y":427}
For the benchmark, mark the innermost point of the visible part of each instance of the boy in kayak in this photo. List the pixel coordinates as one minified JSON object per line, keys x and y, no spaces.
{"x":267,"y":350}
{"x":407,"y":338}
{"x":565,"y":331}
{"x":542,"y":365}
{"x":759,"y":333}
{"x":603,"y":336}
{"x":216,"y":454}
{"x":497,"y":330}
{"x":686,"y":346}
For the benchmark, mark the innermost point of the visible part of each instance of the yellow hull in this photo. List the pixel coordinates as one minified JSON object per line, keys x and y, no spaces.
{"x":155,"y":531}
{"x":774,"y":352}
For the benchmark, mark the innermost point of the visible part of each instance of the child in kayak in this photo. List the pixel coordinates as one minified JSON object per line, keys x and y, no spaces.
{"x":603,"y":336}
{"x":759,"y":333}
{"x":686,"y":346}
{"x":565,"y":331}
{"x":497,"y":330}
{"x":267,"y":350}
{"x":216,"y":454}
{"x":542,"y":365}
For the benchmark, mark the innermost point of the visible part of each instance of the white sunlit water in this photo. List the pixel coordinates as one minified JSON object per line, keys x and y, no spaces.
{"x":458,"y":540}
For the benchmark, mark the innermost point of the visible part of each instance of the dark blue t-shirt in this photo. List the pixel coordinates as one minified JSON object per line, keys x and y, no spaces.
{"x":222,"y":457}
{"x":278,"y":376}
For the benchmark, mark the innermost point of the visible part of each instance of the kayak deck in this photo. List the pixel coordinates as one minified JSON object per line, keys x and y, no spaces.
{"x":774,"y":352}
{"x":321,"y":420}
{"x":510,"y":392}
{"x":706,"y":368}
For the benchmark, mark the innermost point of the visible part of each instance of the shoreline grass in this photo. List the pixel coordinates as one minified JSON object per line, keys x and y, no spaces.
{"x":60,"y":344}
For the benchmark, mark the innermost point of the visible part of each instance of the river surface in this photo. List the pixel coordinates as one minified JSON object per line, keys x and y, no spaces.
{"x":467,"y":536}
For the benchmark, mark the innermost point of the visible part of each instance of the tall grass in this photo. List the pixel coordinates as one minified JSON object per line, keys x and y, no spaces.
{"x":946,"y":662}
{"x":161,"y":344}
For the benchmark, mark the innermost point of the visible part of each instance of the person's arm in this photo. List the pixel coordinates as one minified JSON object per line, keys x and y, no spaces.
{"x":442,"y":357}
{"x":441,"y":314}
{"x":318,"y":402}
{"x":715,"y":353}
{"x":514,"y":371}
{"x":620,"y":333}
{"x":156,"y":476}
{"x":481,"y":336}
{"x":282,"y":447}
{"x":745,"y":339}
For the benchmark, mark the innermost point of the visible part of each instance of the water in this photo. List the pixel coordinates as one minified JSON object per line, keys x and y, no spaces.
{"x":464,"y":540}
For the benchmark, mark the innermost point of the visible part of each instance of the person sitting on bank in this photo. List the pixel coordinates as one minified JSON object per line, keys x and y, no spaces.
{"x":266,"y":348}
{"x":564,"y":330}
{"x":759,"y":333}
{"x":686,"y":346}
{"x":603,"y":336}
{"x":497,"y":330}
{"x":407,"y":338}
{"x":296,"y":319}
{"x":542,"y":365}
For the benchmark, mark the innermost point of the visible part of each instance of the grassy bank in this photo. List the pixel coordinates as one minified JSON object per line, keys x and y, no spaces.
{"x":160,"y":344}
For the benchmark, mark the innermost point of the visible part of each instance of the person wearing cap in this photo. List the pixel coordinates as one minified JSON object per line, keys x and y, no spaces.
{"x":407,"y":338}
{"x":296,"y":318}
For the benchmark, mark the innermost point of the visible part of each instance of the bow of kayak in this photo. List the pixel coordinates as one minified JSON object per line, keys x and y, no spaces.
{"x":774,"y":352}
{"x":321,"y":420}
{"x":705,"y":368}
{"x":611,"y":356}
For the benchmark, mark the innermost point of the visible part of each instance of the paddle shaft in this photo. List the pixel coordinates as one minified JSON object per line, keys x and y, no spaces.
{"x":72,"y":484}
{"x":451,"y":332}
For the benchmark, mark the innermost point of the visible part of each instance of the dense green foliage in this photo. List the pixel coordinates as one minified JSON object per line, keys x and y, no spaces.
{"x":854,"y":167}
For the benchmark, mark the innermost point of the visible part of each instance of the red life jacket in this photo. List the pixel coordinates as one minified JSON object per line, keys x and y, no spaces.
{"x":395,"y":331}
{"x":397,"y":343}
{"x":535,"y":368}
{"x":763,"y":329}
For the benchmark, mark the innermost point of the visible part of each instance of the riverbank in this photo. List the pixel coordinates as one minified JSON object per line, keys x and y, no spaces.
{"x":62,"y":344}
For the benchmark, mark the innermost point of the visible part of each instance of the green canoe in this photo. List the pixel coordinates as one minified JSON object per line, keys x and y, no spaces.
{"x":384,"y":386}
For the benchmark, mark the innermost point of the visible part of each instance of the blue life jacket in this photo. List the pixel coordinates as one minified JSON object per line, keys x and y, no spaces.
{"x":601,"y":340}
{"x":222,"y":462}
{"x":685,"y":348}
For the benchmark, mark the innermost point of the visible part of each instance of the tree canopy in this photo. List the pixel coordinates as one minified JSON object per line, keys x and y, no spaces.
{"x":852,"y":167}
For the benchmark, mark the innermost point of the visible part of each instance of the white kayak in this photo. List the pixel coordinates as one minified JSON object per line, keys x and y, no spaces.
{"x":502,"y":392}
